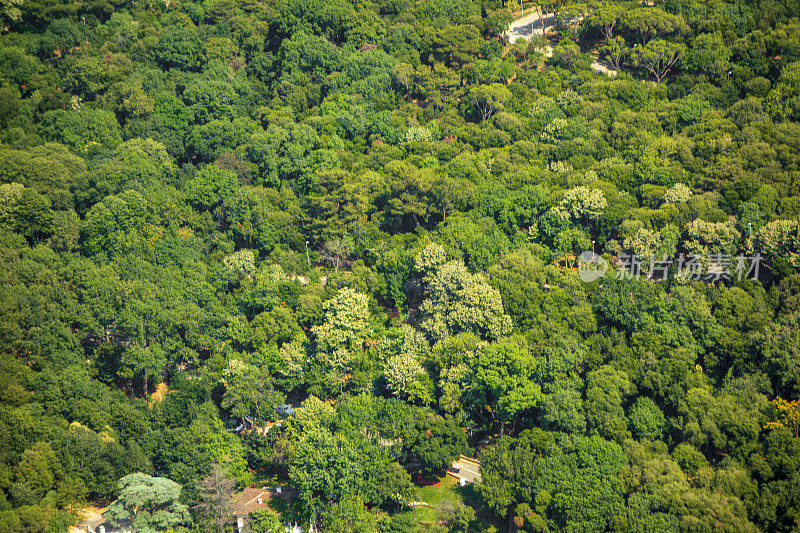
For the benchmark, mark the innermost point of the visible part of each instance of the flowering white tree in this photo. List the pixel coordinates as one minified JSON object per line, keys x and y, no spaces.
{"x":459,"y":301}
{"x":582,"y":204}
{"x":344,"y":331}
{"x":678,"y":194}
{"x":781,"y":238}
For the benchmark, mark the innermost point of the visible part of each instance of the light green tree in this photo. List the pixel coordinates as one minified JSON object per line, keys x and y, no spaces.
{"x":312,"y":414}
{"x":643,"y":243}
{"x":10,"y":10}
{"x":346,"y":322}
{"x":459,"y":301}
{"x":657,"y":57}
{"x":293,"y":357}
{"x":489,"y":99}
{"x":10,"y":193}
{"x":582,"y":204}
{"x":781,"y":239}
{"x":678,"y":193}
{"x":343,"y":333}
{"x":705,"y":238}
{"x":430,"y":258}
{"x":265,"y":521}
{"x":242,"y":262}
{"x":147,"y":504}
{"x":401,"y":369}
{"x":249,"y":393}
{"x":418,"y":134}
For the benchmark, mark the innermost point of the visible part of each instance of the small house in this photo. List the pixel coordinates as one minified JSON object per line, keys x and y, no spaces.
{"x":250,"y":500}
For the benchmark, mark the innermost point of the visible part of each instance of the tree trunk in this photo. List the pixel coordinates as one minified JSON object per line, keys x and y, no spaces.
{"x":541,"y":20}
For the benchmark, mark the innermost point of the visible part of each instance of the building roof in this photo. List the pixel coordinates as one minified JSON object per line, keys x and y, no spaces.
{"x":248,"y":501}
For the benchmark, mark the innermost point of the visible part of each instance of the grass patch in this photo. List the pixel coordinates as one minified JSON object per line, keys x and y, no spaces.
{"x":449,"y":490}
{"x":433,"y":496}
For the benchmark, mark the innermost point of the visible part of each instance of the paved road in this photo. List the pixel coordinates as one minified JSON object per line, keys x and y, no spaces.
{"x":604,"y":67}
{"x":526,"y":26}
{"x":531,"y":24}
{"x":468,"y":469}
{"x":470,"y":473}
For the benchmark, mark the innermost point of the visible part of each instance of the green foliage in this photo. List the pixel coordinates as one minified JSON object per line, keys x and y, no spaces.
{"x":208,"y":209}
{"x":459,"y":301}
{"x":489,"y":99}
{"x":330,"y":468}
{"x":432,"y":443}
{"x":265,"y":521}
{"x":83,"y":131}
{"x":147,"y":504}
{"x":178,"y":47}
{"x":784,"y":99}
{"x":210,"y":187}
{"x":503,"y":380}
{"x":646,"y":420}
{"x":249,"y":394}
{"x":657,"y":57}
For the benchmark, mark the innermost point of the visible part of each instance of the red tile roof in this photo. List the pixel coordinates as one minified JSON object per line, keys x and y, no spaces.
{"x":249,"y":500}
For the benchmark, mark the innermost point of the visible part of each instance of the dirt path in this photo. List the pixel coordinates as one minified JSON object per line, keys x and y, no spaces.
{"x":90,"y":516}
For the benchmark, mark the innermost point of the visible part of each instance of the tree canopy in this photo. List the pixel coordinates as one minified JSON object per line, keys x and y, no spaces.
{"x":332,"y":246}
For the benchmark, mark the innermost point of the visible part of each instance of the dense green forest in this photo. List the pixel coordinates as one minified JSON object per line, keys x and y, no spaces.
{"x":373,"y":211}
